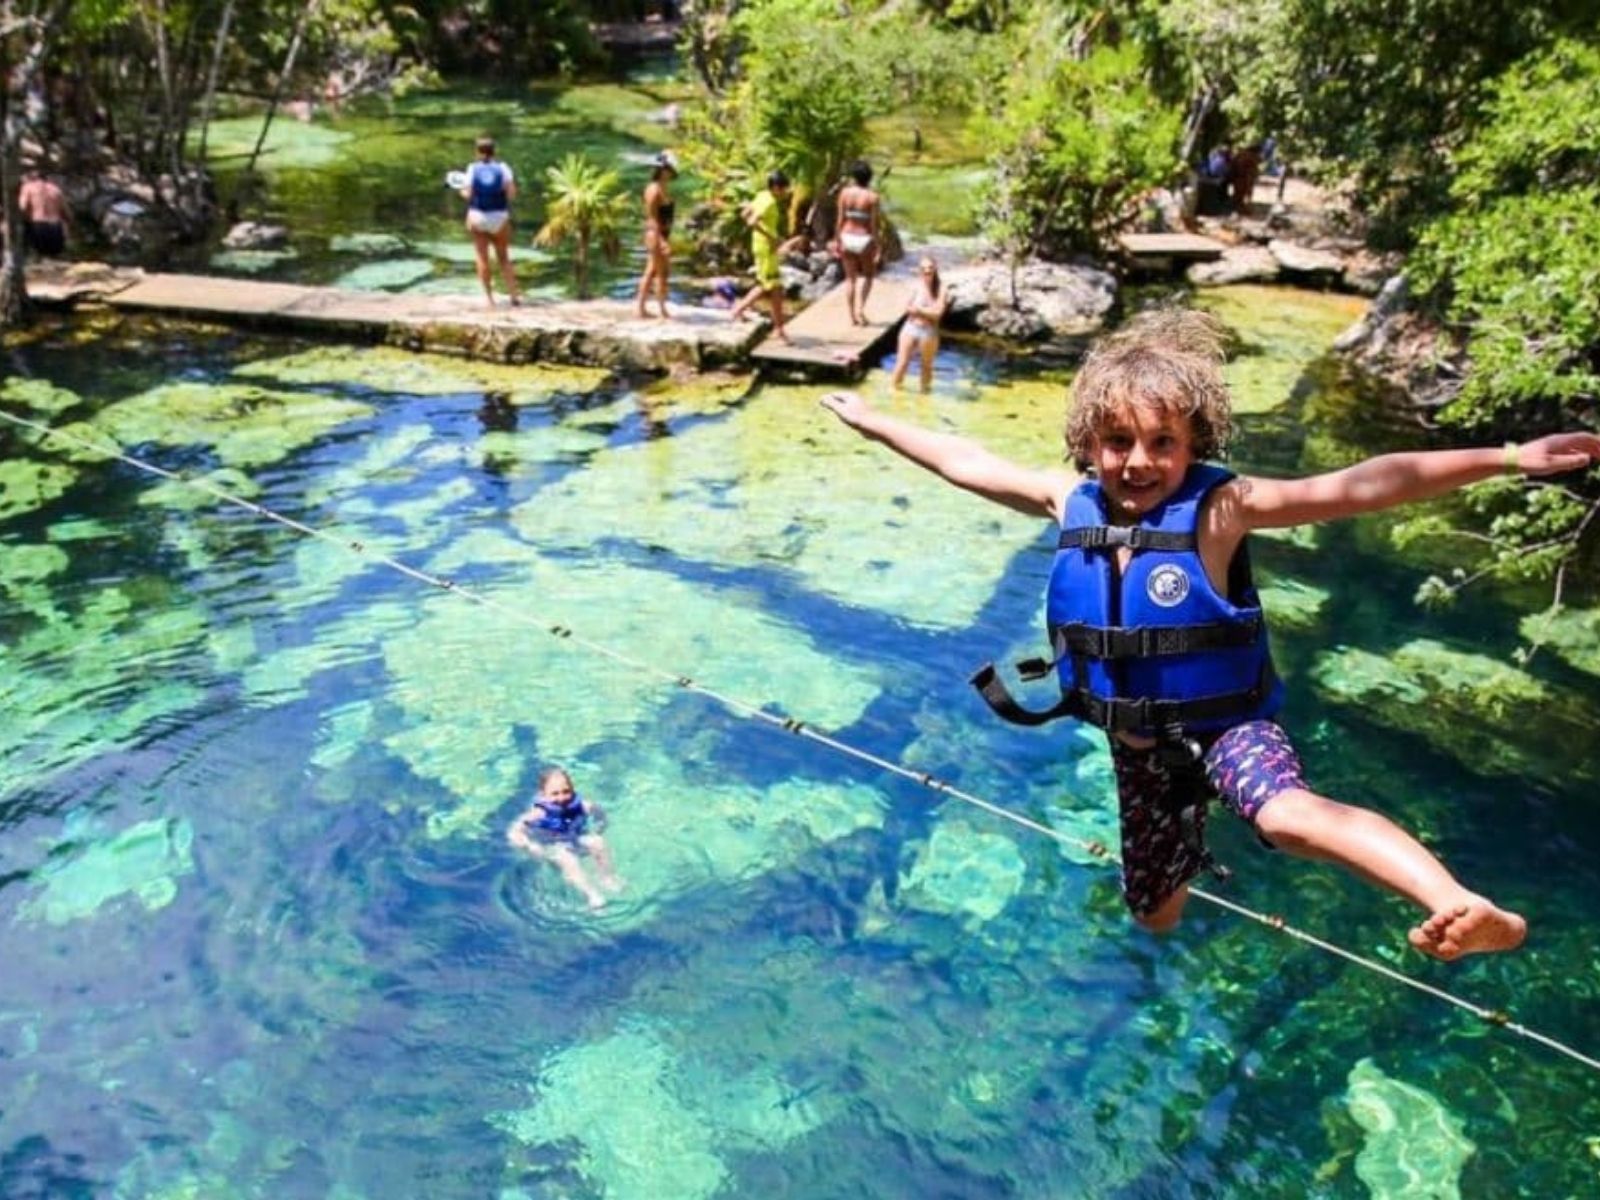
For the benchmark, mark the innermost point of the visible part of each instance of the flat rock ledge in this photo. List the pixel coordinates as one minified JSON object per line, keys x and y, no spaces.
{"x":1063,"y":305}
{"x":603,"y":333}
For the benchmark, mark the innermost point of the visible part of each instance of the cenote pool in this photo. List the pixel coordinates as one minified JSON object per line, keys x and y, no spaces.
{"x":261,"y":936}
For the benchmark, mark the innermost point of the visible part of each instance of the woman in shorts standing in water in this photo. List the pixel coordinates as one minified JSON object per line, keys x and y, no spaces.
{"x":857,"y":243}
{"x":659,"y":210}
{"x":489,"y":191}
{"x":920,"y":333}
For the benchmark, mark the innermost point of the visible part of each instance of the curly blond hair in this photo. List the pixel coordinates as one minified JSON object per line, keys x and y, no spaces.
{"x":1167,"y":359}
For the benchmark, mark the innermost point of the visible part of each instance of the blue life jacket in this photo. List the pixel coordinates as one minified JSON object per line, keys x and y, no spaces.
{"x":564,"y":820}
{"x":1154,"y":650}
{"x":488,"y":182}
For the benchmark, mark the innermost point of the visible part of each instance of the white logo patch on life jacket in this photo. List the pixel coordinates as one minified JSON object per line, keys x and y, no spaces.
{"x":1167,"y":585}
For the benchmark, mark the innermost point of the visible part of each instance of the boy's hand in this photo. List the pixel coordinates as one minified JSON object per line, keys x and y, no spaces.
{"x":848,"y":407}
{"x":1558,"y":452}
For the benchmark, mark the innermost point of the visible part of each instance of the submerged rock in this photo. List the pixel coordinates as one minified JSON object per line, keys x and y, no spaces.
{"x":256,"y":235}
{"x":1415,"y":1147}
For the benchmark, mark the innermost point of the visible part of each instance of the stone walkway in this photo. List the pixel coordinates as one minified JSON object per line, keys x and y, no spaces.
{"x":602,"y":333}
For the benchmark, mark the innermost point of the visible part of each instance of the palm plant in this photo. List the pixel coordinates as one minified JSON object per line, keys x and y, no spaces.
{"x":587,"y":206}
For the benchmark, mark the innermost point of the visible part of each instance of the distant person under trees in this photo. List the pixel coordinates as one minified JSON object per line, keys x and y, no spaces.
{"x":44,"y":215}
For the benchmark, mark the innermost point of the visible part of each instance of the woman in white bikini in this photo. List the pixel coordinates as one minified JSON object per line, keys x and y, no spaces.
{"x":920,"y":333}
{"x":857,"y":240}
{"x":489,"y":190}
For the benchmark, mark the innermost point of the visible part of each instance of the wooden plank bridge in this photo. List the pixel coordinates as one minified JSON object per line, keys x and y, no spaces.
{"x":822,"y":339}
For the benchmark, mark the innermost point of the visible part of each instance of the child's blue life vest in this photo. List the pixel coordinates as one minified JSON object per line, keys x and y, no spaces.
{"x":488,"y":183}
{"x":1155,"y":650}
{"x":568,"y":820}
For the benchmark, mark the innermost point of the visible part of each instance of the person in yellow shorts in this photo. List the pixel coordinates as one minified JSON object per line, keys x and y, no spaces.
{"x":764,"y":215}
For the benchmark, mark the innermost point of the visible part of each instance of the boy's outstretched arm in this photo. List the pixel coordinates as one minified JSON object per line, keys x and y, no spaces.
{"x":1390,"y":480}
{"x":956,"y":459}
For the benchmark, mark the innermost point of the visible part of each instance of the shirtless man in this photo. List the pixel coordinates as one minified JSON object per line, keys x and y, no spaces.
{"x":44,"y":215}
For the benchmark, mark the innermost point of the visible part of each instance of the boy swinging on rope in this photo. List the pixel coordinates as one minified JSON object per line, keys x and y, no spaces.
{"x":1158,"y":635}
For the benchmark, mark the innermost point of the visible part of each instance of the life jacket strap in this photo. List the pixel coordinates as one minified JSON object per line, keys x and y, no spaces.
{"x":1165,"y":718}
{"x":1150,"y":641}
{"x":1136,"y":537}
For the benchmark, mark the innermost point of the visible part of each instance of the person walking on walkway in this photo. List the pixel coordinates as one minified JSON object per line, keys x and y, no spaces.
{"x":489,"y":190}
{"x":659,"y":210}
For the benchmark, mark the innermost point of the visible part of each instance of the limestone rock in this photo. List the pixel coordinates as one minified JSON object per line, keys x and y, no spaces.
{"x":1238,"y":264}
{"x":1301,"y":259}
{"x":256,"y":235}
{"x":1059,"y":301}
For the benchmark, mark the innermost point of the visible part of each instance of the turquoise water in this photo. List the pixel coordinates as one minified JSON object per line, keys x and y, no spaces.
{"x":261,"y":934}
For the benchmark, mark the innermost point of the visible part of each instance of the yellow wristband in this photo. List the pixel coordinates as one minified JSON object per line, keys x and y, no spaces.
{"x":1512,"y":462}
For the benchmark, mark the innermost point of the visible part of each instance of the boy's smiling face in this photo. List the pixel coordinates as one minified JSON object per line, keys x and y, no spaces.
{"x":1141,"y":455}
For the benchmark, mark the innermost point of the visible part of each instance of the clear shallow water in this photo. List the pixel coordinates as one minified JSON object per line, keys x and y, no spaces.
{"x":261,"y":934}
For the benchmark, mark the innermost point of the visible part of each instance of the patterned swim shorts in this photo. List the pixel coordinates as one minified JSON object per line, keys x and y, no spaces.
{"x":1163,"y":805}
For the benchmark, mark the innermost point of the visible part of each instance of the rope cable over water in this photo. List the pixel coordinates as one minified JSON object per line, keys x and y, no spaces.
{"x":1095,"y":849}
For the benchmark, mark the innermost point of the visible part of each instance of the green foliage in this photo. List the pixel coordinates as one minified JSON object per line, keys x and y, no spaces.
{"x":1076,"y":142}
{"x":586,"y":206}
{"x":794,"y":82}
{"x":1514,"y":259}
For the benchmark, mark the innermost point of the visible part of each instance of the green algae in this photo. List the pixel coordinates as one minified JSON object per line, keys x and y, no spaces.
{"x":1292,"y":604}
{"x":1282,"y":331}
{"x":26,"y":486}
{"x":1571,"y":633}
{"x":27,"y":563}
{"x":1485,"y":712}
{"x":468,"y":677}
{"x":648,"y":1122}
{"x":387,"y":275}
{"x":965,"y":872}
{"x":1415,"y":1148}
{"x":289,"y":144}
{"x":142,"y":862}
{"x":780,"y":483}
{"x":246,"y":426}
{"x":386,"y":369}
{"x":38,"y":395}
{"x":185,"y":496}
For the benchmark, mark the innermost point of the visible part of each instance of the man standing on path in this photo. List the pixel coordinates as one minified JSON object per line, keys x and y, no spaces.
{"x":44,"y":215}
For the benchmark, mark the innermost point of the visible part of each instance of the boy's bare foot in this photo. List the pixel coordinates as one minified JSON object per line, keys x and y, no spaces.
{"x":596,"y":901}
{"x":665,"y":315}
{"x":643,"y":313}
{"x":1476,"y":927}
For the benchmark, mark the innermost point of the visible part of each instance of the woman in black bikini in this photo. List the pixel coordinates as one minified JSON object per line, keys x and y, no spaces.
{"x":658,"y":212}
{"x":857,"y":240}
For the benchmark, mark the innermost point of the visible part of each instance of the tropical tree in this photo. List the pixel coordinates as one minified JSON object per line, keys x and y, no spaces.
{"x":1075,"y":142}
{"x":27,"y":28}
{"x":587,"y":207}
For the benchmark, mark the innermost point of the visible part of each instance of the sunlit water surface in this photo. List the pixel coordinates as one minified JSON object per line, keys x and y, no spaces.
{"x":261,"y":934}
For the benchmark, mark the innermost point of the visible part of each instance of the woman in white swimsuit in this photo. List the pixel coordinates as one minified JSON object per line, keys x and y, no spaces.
{"x":489,"y":190}
{"x":857,"y":240}
{"x":920,"y":333}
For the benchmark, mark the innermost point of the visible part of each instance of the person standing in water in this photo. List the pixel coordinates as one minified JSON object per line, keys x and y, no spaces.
{"x":489,"y":191}
{"x":659,"y":210}
{"x":919,"y":334}
{"x":559,"y":826}
{"x":857,"y":240}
